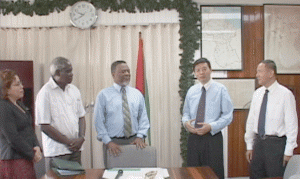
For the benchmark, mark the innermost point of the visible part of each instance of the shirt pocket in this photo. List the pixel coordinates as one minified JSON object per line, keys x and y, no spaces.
{"x":113,"y":106}
{"x":78,"y":106}
{"x":72,"y":103}
{"x":275,"y":113}
{"x":213,"y":106}
{"x":134,"y":109}
{"x":55,"y":106}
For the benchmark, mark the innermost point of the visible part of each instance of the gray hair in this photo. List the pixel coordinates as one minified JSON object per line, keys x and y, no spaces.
{"x":58,"y":64}
{"x":115,"y":64}
{"x":271,"y":65}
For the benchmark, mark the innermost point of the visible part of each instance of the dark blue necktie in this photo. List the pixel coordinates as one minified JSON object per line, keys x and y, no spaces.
{"x":201,"y":109}
{"x":262,"y":115}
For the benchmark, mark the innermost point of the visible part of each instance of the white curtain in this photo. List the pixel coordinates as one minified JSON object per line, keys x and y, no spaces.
{"x":92,"y":51}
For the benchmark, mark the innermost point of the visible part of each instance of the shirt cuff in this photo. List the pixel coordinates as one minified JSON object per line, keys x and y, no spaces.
{"x":288,"y":152}
{"x":213,"y":126}
{"x":106,"y":139}
{"x":184,"y":120}
{"x":140,"y":136}
{"x":249,"y":146}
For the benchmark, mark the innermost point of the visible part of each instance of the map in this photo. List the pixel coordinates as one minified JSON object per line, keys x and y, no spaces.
{"x":282,"y":37}
{"x":221,"y":37}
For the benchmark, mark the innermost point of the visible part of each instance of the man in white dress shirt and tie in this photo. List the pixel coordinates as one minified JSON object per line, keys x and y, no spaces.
{"x":272,"y":125}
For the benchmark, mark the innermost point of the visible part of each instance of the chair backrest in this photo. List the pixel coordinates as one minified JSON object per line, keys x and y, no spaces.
{"x":297,"y":176}
{"x":293,"y":167}
{"x":133,"y":157}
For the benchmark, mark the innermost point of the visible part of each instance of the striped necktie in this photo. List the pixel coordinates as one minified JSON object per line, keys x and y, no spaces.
{"x":126,"y":114}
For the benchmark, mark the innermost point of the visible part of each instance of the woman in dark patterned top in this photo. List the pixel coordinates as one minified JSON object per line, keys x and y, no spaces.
{"x":19,"y":148}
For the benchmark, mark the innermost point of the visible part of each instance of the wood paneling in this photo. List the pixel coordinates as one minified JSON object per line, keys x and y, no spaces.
{"x":237,"y":163}
{"x":24,"y":70}
{"x":253,"y":54}
{"x":252,"y":41}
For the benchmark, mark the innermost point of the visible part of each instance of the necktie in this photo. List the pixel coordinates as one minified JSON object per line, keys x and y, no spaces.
{"x":201,"y":109}
{"x":262,"y":115}
{"x":126,"y":114}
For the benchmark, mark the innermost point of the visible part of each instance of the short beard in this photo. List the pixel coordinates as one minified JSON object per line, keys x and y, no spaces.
{"x":125,"y":83}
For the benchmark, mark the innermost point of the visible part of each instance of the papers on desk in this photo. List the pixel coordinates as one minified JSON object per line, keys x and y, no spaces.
{"x":67,"y":172}
{"x":136,"y":173}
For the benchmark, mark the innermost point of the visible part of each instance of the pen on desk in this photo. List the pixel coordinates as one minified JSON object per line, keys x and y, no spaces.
{"x":120,"y":173}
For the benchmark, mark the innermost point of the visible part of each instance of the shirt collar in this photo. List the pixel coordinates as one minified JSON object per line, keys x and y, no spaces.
{"x":55,"y":85}
{"x":207,"y":85}
{"x":272,"y":87}
{"x":118,"y":87}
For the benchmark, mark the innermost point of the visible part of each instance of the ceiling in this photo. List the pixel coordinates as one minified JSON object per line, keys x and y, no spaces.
{"x":245,"y":2}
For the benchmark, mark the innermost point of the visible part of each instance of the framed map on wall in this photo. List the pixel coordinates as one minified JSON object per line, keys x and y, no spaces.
{"x":221,"y":36}
{"x":282,"y":37}
{"x":240,"y":91}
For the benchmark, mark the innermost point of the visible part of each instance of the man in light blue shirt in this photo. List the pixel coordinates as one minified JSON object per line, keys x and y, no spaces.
{"x":110,"y":121}
{"x":205,"y":143}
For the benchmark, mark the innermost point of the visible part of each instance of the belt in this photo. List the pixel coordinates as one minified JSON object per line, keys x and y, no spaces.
{"x":264,"y":137}
{"x":124,"y":137}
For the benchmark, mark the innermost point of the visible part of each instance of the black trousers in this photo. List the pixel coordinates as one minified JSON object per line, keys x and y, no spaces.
{"x":267,"y":157}
{"x":206,"y":150}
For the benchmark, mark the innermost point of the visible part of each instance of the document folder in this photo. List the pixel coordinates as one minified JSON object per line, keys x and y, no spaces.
{"x":65,"y":167}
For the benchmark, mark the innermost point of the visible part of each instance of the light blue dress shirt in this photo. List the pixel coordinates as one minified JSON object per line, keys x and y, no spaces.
{"x":108,"y":114}
{"x":218,"y":106}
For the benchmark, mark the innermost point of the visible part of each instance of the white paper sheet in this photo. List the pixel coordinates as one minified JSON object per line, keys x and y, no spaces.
{"x":135,"y":173}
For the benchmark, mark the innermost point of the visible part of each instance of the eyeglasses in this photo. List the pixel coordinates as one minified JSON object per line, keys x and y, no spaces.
{"x":17,"y":84}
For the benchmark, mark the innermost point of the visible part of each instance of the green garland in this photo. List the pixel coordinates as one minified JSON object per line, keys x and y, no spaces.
{"x":189,"y":31}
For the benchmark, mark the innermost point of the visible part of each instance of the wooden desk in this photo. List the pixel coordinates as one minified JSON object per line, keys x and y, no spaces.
{"x":175,"y":173}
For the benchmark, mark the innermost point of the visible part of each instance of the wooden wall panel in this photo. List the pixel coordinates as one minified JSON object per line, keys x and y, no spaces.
{"x":237,"y":163}
{"x":253,"y":54}
{"x":252,"y":41}
{"x":24,"y":70}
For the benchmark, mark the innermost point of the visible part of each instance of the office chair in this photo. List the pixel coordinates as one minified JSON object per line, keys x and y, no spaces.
{"x":293,"y":168}
{"x":132,"y":157}
{"x":297,"y":176}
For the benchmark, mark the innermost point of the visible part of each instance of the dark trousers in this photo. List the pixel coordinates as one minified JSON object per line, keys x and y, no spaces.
{"x":267,"y":158}
{"x":206,"y":150}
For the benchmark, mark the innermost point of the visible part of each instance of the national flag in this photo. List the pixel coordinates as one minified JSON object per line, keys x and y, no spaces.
{"x":141,"y":82}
